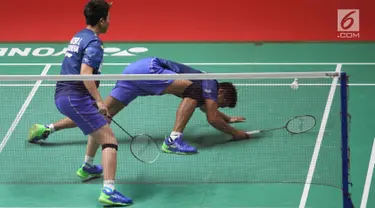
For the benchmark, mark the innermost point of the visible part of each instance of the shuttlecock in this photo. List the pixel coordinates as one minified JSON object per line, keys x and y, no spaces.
{"x":294,"y":85}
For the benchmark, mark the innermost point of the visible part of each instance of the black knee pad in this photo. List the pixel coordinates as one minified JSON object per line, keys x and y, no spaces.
{"x":114,"y":146}
{"x":194,"y":91}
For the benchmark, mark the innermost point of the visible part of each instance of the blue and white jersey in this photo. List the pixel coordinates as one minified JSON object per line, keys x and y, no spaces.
{"x":84,"y":48}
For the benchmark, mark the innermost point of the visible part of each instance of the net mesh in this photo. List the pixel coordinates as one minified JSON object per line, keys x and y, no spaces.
{"x":276,"y":157}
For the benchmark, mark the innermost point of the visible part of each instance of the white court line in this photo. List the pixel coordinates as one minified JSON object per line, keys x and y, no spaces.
{"x":319,"y":140}
{"x":371,"y":166}
{"x":216,"y":64}
{"x":239,"y":85}
{"x":23,"y":109}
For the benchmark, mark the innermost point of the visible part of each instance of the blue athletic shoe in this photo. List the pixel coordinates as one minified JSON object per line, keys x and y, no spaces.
{"x":178,"y":146}
{"x":88,"y":171}
{"x":113,"y":198}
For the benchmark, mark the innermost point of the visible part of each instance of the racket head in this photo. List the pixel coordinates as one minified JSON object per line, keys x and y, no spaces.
{"x":144,"y":148}
{"x":300,"y":124}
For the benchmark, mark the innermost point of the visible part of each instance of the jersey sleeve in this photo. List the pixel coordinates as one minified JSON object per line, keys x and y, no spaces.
{"x":93,"y":55}
{"x":209,"y":90}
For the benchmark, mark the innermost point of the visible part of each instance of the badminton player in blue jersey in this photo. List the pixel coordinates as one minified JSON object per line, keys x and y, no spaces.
{"x":81,"y":102}
{"x":209,"y":95}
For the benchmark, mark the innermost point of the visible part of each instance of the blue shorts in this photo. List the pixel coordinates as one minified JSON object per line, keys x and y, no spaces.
{"x":126,"y":91}
{"x":82,"y":110}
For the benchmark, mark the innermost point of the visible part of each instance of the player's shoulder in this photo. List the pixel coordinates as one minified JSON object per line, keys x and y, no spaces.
{"x":87,"y":37}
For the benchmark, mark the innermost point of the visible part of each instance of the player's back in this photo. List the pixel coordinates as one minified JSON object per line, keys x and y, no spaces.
{"x":155,"y":65}
{"x":152,"y":65}
{"x":74,"y":57}
{"x":177,"y":67}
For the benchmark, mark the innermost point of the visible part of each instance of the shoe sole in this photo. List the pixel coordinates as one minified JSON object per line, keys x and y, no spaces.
{"x":106,"y":202}
{"x":178,"y":153}
{"x":89,"y":176}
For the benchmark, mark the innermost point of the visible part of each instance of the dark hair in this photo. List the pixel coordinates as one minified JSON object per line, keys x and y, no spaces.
{"x":95,"y":10}
{"x":230,"y":93}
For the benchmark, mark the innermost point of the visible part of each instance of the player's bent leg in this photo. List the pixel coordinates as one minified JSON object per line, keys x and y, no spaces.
{"x":174,"y":143}
{"x":109,"y":195}
{"x":89,"y":169}
{"x":177,"y":87}
{"x":92,"y":147}
{"x":40,"y":132}
{"x":82,"y":111}
{"x":114,"y":105}
{"x":65,"y":123}
{"x":190,"y":94}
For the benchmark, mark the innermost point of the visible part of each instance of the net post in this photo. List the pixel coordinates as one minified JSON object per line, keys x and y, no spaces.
{"x":347,"y":201}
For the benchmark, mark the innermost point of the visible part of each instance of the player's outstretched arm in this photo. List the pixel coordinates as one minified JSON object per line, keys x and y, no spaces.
{"x":214,"y":118}
{"x":228,"y":119}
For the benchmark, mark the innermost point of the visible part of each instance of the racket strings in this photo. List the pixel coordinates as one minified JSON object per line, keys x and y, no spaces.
{"x":144,"y":148}
{"x":301,"y":124}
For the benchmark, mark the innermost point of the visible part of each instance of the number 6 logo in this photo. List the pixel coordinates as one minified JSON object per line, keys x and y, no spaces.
{"x":348,"y":20}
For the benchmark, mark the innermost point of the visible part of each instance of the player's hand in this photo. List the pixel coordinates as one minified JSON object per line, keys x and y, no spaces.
{"x":102,"y":108}
{"x":236,"y":119}
{"x":240,"y":135}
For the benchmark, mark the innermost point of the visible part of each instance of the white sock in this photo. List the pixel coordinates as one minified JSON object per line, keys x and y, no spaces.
{"x":109,"y":184}
{"x":52,"y":127}
{"x":89,"y":160}
{"x":174,"y":135}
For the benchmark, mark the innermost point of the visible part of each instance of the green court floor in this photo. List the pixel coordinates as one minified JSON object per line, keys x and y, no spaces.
{"x":269,"y":171}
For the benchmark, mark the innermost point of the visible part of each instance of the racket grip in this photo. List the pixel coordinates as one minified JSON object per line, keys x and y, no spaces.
{"x":253,"y":132}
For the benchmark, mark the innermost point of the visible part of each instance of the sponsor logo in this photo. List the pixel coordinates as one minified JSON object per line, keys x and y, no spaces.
{"x":348,"y":23}
{"x":50,"y":51}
